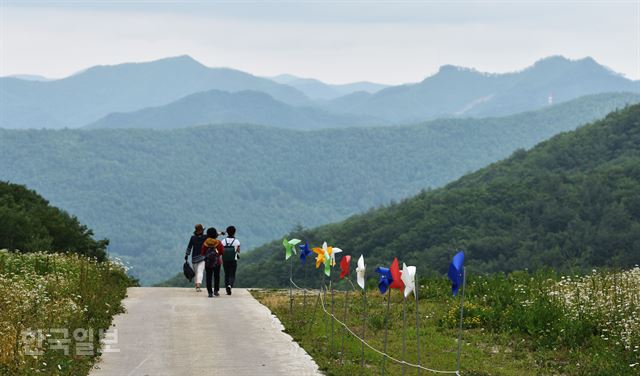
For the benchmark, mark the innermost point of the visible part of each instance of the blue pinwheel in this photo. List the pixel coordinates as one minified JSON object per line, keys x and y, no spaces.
{"x":385,"y":278}
{"x":456,"y":272}
{"x":304,"y":252}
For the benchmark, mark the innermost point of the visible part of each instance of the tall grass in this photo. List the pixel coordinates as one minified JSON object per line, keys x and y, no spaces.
{"x":517,"y":324}
{"x":41,"y":291}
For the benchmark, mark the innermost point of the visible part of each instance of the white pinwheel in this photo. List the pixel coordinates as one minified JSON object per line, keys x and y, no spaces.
{"x":408,"y":277}
{"x":333,"y":255}
{"x":360,"y":272}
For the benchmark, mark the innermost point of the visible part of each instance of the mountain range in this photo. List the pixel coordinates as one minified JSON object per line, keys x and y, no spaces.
{"x":95,"y":92}
{"x":144,"y":189}
{"x":316,"y":89}
{"x":134,"y":94}
{"x":458,"y":91}
{"x":221,"y":107}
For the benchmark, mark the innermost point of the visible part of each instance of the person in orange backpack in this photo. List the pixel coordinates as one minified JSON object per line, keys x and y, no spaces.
{"x":212,"y":251}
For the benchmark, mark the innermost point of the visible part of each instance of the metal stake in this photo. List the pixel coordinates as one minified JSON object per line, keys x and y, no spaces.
{"x":417,"y":293}
{"x":344,"y":332}
{"x":332,"y":316}
{"x":464,"y":282}
{"x":364,"y":320}
{"x":386,"y":329}
{"x":404,"y":331}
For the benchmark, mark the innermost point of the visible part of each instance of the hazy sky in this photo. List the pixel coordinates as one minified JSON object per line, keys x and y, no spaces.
{"x":335,"y":41}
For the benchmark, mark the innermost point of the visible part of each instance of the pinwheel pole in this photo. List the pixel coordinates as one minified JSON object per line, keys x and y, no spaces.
{"x":417,"y":319}
{"x":464,"y":282}
{"x":332,"y":315}
{"x":346,"y":317}
{"x":364,"y":320}
{"x":404,"y":330}
{"x":291,"y":286}
{"x":386,"y":329}
{"x":304,"y":291}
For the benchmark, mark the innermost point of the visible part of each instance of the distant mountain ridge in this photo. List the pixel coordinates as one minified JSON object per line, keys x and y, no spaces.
{"x":458,"y":91}
{"x":95,"y":92}
{"x":316,"y":89}
{"x":220,"y":107}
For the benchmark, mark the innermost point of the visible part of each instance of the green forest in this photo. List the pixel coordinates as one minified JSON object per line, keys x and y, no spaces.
{"x":145,"y":189}
{"x":29,"y":224}
{"x":571,"y":203}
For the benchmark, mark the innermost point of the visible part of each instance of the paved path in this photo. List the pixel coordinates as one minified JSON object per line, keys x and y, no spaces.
{"x":174,"y":331}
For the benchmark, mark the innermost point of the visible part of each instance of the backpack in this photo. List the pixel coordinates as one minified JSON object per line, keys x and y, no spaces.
{"x":229,"y":251}
{"x":210,"y":258}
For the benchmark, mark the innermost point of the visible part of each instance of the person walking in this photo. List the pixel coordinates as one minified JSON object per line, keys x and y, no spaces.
{"x":230,"y":258}
{"x":212,"y":251}
{"x":193,"y":249}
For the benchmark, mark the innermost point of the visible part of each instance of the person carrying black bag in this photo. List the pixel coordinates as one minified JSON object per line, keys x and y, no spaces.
{"x":212,"y":251}
{"x":230,"y":258}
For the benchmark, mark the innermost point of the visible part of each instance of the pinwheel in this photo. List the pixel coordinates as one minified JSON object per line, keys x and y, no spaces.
{"x":385,"y":278}
{"x":456,"y":272}
{"x":327,"y":263}
{"x":333,"y":255}
{"x":319,"y":259}
{"x":395,"y":273}
{"x":304,"y":252}
{"x":409,"y":279}
{"x":289,"y":246}
{"x":345,"y":264}
{"x":360,"y":269}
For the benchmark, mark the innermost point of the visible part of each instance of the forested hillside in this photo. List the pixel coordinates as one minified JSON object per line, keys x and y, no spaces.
{"x":29,"y":224}
{"x":145,"y":189}
{"x":570,"y":203}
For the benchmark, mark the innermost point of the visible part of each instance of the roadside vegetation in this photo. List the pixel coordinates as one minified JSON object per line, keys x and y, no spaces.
{"x":520,"y":323}
{"x":41,"y":294}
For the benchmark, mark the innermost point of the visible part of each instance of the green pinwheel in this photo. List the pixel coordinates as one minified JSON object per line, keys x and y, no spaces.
{"x":290,"y":246}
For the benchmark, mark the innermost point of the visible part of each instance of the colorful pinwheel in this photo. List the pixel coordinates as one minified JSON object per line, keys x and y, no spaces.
{"x":345,"y":264}
{"x":289,"y":246}
{"x":327,"y":262}
{"x":385,"y":278}
{"x":333,"y":255}
{"x":304,"y":252}
{"x":456,"y":272}
{"x":395,"y":273}
{"x":409,"y":279}
{"x":360,"y":270}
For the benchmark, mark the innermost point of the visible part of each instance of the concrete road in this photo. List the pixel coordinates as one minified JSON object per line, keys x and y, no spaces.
{"x":174,"y":331}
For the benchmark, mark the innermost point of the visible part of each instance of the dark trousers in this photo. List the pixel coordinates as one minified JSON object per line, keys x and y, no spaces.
{"x":229,"y":272}
{"x":215,"y":273}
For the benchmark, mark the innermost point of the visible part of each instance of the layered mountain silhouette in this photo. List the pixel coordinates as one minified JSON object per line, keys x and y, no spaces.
{"x":92,"y":94}
{"x":457,"y":91}
{"x":316,"y":89}
{"x":95,"y":92}
{"x":220,"y":107}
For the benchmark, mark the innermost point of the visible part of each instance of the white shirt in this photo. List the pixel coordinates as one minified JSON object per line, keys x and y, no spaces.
{"x":233,"y":242}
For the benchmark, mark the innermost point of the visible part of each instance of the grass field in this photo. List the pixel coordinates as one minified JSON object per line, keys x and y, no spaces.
{"x":53,"y":302}
{"x":517,"y":324}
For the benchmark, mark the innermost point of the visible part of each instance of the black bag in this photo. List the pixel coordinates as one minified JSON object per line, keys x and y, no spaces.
{"x":188,"y":271}
{"x":210,"y":258}
{"x":229,"y":251}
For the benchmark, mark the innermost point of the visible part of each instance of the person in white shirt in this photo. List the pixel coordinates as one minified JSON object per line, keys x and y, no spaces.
{"x":230,"y":262}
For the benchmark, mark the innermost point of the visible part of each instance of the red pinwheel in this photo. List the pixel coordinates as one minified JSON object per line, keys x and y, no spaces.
{"x":395,"y":273}
{"x":344,"y":266}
